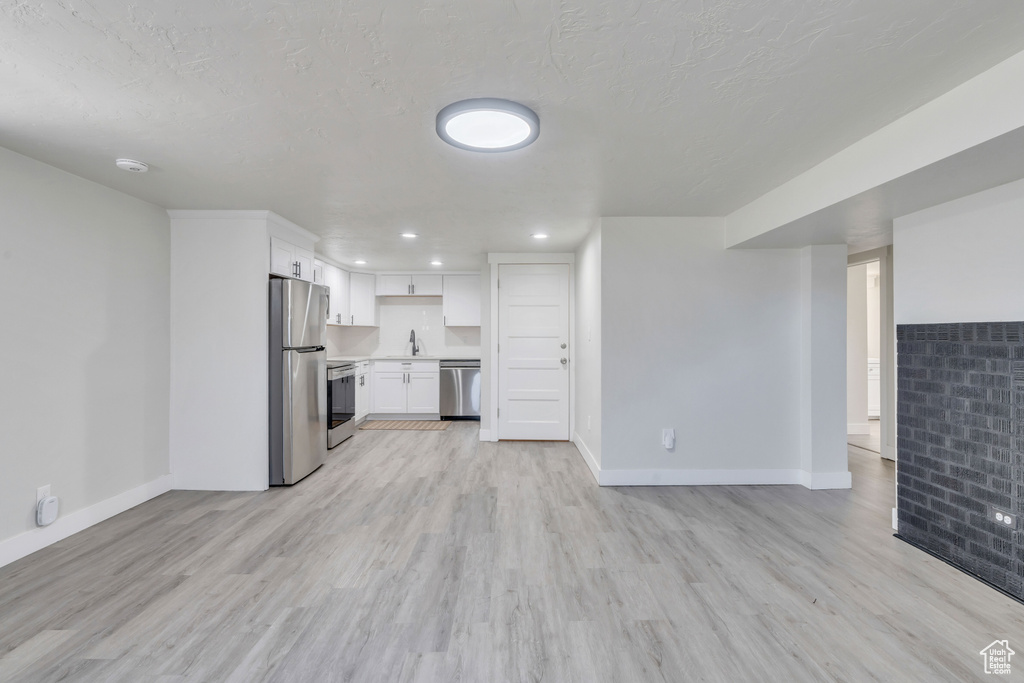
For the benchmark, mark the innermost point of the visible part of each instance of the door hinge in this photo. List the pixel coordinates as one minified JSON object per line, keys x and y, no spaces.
{"x":499,"y":283}
{"x":499,"y":412}
{"x":499,"y":348}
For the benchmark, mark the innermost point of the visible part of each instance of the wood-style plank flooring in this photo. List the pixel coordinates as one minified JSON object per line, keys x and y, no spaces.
{"x":428,"y":556}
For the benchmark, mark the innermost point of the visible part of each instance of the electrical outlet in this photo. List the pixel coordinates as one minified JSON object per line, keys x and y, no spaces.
{"x":42,"y":492}
{"x":1001,"y":517}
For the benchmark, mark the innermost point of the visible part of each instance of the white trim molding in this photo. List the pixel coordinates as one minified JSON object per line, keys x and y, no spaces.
{"x":811,"y":480}
{"x":485,"y":435}
{"x":698,"y":477}
{"x":28,"y":542}
{"x":826,"y":480}
{"x":588,"y":457}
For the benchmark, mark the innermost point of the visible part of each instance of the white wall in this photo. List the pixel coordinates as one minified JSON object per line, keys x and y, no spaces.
{"x":961,"y":261}
{"x":703,"y":340}
{"x":219,"y":382}
{"x":857,"y":350}
{"x":84,"y":348}
{"x":397,"y":316}
{"x":823,"y":450}
{"x":587,"y":357}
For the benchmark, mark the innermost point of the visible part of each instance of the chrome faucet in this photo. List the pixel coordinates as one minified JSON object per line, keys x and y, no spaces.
{"x":412,"y":338}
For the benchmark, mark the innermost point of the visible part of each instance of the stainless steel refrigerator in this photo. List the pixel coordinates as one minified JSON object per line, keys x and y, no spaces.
{"x":298,"y":379}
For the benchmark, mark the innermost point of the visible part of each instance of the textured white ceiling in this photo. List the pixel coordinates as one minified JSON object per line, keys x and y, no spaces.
{"x":323,"y":111}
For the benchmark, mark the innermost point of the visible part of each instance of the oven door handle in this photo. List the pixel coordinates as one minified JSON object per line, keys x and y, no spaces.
{"x":336,"y":373}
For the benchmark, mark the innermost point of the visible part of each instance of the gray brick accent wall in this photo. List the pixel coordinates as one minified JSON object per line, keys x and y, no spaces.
{"x":960,"y":443}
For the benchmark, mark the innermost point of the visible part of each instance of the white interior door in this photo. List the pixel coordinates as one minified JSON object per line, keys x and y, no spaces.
{"x":533,"y":352}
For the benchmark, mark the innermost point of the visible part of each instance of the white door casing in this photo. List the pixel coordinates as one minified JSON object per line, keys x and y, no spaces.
{"x":533,"y":351}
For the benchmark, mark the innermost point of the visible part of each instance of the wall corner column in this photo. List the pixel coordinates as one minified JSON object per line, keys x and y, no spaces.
{"x":823,"y":451}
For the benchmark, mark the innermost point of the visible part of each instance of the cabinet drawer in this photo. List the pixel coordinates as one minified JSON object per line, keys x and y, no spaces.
{"x":406,"y":366}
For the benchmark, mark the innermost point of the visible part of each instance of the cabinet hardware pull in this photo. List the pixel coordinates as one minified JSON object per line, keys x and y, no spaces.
{"x":414,"y":289}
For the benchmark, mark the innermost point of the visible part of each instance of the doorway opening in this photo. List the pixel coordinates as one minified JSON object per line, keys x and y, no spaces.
{"x":863,"y":357}
{"x":871,"y":360}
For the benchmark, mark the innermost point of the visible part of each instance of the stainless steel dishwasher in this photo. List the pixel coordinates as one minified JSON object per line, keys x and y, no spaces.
{"x":460,"y":389}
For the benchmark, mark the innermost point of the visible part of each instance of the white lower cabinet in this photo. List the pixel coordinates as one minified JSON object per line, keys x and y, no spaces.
{"x":362,"y":390}
{"x":423,"y":392}
{"x":406,"y":387}
{"x":389,"y":392}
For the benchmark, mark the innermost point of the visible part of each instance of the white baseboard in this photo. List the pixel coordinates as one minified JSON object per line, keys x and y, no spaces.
{"x":826,"y":480}
{"x":858,"y":428}
{"x":888,"y":452}
{"x":588,"y":457}
{"x":485,"y":435}
{"x":811,"y":480}
{"x":895,"y":521}
{"x":28,"y":542}
{"x":697,"y":477}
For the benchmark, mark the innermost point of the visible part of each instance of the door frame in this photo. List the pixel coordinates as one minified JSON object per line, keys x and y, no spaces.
{"x":887,"y":347}
{"x":494,"y":391}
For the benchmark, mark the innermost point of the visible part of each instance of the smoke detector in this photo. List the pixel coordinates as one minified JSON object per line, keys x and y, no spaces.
{"x":131,"y":165}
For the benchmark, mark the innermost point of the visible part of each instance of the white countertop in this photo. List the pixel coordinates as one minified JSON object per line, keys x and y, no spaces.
{"x":356,"y":359}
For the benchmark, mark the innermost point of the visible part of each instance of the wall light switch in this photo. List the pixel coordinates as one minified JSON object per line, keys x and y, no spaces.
{"x":668,"y":439}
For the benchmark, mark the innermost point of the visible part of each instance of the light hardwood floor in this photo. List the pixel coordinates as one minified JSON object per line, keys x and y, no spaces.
{"x":427,"y":556}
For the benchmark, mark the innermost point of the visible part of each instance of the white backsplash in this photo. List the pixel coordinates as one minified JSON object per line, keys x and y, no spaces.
{"x":397,"y":316}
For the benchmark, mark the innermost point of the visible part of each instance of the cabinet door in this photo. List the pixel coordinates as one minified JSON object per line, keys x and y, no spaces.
{"x":424,"y":392}
{"x":363,"y":300}
{"x":303,"y":259}
{"x":362,"y":395}
{"x":281,"y":257}
{"x":318,"y":272}
{"x":461,"y":303}
{"x":388,"y":392}
{"x":336,"y":280}
{"x":394,"y":285}
{"x":426,"y":285}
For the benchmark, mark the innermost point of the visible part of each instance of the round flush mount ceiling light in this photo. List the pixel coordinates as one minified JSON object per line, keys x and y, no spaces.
{"x":539,"y":236}
{"x":436,"y":263}
{"x":409,"y":235}
{"x":488,"y":124}
{"x":132,"y":166}
{"x":360,"y":263}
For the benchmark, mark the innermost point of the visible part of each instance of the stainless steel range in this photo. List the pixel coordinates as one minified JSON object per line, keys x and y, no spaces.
{"x":341,"y":402}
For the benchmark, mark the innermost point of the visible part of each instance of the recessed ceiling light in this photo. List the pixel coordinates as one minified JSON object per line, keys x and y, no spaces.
{"x":436,"y":263}
{"x":539,"y":236}
{"x":410,"y":235}
{"x":488,"y":124}
{"x":360,"y":263}
{"x":131,"y":165}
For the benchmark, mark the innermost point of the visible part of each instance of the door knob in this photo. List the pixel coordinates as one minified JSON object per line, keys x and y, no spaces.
{"x":564,"y":361}
{"x":563,"y":345}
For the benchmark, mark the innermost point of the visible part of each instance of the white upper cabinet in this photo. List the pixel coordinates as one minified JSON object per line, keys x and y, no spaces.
{"x":408,"y":285}
{"x":363,"y":300}
{"x":290,"y":260}
{"x":394,"y":285}
{"x":461,"y":303}
{"x":426,"y":285}
{"x":318,"y":272}
{"x":339,"y":303}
